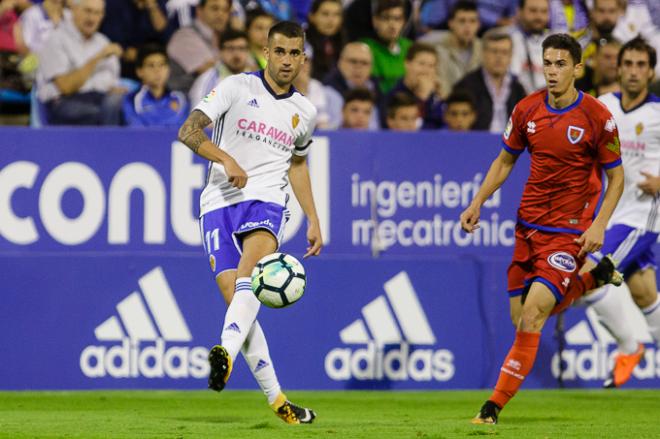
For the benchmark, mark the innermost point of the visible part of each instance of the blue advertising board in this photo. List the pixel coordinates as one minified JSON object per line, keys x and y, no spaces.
{"x":105,"y":283}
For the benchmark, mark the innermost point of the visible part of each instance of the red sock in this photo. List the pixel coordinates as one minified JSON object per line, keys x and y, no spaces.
{"x":516,"y":366}
{"x":580,"y":284}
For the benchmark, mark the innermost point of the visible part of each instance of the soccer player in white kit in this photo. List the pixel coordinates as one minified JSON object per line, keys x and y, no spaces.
{"x":634,"y":226}
{"x":261,"y":136}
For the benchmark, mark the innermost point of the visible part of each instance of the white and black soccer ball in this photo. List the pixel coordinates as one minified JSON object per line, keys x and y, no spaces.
{"x":278,"y":280}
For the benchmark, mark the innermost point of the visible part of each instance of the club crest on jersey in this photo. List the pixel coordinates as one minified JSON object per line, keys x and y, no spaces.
{"x":509,"y":127}
{"x":610,"y":125}
{"x":212,"y":262}
{"x":574,"y":134}
{"x":294,"y":120}
{"x":639,"y":128}
{"x":562,"y":261}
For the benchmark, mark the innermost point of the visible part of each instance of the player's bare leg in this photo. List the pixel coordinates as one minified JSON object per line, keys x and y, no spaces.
{"x":536,"y":308}
{"x":242,"y":310}
{"x":515,"y":309}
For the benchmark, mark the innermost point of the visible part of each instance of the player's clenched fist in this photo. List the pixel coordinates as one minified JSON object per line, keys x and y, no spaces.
{"x":235,"y":174}
{"x":470,"y":219}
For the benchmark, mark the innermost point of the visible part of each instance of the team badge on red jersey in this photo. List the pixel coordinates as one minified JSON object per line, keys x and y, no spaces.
{"x":574,"y":134}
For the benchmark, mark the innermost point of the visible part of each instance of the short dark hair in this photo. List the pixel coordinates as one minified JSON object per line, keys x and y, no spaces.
{"x":399,"y":100}
{"x":418,"y":48}
{"x":316,"y":4}
{"x":462,"y":5}
{"x":607,"y":40}
{"x":359,"y":94}
{"x":639,"y":44}
{"x":289,"y":29}
{"x":564,"y":42}
{"x":147,"y":50}
{"x":232,"y":34}
{"x":496,"y":34}
{"x":460,"y":96}
{"x":253,"y":14}
{"x":383,"y":5}
{"x":202,"y":3}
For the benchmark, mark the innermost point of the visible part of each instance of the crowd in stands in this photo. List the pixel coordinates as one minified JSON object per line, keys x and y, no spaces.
{"x":402,"y":65}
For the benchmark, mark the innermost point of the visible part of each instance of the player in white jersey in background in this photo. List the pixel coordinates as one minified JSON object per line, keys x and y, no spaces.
{"x":262,"y":134}
{"x":634,"y":226}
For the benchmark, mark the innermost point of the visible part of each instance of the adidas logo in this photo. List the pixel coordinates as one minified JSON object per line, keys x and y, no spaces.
{"x":260,"y":365}
{"x":253,"y":103}
{"x":233,"y":327}
{"x":590,"y":348}
{"x":153,"y":323}
{"x":391,"y":340}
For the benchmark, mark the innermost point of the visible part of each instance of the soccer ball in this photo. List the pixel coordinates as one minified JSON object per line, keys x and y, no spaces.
{"x":278,"y":280}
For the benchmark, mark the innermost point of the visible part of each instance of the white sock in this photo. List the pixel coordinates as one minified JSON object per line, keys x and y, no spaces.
{"x":607,"y":304}
{"x":255,"y":352}
{"x":652,"y":316}
{"x":241,"y":314}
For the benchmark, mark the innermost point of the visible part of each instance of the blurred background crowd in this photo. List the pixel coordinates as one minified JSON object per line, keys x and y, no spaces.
{"x":372,"y":64}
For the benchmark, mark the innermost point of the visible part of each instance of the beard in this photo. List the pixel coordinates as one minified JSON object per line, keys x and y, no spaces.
{"x":605,"y":28}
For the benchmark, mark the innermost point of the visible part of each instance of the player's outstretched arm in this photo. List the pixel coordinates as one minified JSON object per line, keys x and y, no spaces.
{"x":302,"y":189}
{"x":193,"y":136}
{"x":497,"y":174}
{"x":592,"y":239}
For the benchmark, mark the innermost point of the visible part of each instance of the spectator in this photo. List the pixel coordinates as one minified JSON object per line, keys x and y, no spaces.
{"x":78,"y":75}
{"x":257,"y":26}
{"x":153,"y":104}
{"x":434,"y":13}
{"x":495,"y":89}
{"x":568,"y":16}
{"x":280,"y":10}
{"x":353,"y":71}
{"x":421,"y":83}
{"x":194,"y":49}
{"x":402,"y":113}
{"x":388,"y":49}
{"x":460,"y":111}
{"x":314,"y":90}
{"x":527,"y":37}
{"x":604,"y":16}
{"x":602,"y":77}
{"x":358,"y":108}
{"x":9,"y":13}
{"x":459,"y":49}
{"x":634,"y":21}
{"x":38,"y":21}
{"x":324,"y":34}
{"x":131,"y":24}
{"x":234,"y":55}
{"x":181,"y":13}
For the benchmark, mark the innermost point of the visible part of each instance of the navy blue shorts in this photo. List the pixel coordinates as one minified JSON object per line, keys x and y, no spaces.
{"x":222,"y":230}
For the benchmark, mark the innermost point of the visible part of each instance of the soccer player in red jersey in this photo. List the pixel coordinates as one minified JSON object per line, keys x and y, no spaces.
{"x":571,"y":138}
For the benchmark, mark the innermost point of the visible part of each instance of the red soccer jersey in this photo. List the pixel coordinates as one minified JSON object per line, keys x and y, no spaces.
{"x":568,"y":148}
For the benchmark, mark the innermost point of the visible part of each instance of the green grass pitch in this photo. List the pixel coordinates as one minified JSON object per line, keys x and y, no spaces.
{"x":244,"y":415}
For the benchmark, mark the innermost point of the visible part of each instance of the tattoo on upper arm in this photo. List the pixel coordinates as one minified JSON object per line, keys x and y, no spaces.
{"x":192,"y":132}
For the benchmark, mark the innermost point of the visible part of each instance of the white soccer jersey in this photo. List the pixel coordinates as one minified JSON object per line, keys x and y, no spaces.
{"x":260,"y":130}
{"x":639,"y":132}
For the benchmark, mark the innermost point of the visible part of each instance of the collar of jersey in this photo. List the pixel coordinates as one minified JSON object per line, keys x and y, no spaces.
{"x":288,"y":94}
{"x":650,"y":97}
{"x":563,"y":110}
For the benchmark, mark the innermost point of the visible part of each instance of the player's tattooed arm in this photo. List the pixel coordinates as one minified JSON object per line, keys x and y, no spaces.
{"x":192,"y":133}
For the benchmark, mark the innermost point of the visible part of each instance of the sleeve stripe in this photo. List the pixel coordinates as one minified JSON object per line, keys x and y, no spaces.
{"x":510,"y":150}
{"x":304,"y":147}
{"x":611,"y":165}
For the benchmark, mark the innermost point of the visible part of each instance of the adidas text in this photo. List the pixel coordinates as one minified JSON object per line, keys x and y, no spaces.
{"x":398,"y":364}
{"x":132,"y":360}
{"x":594,"y":363}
